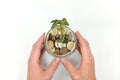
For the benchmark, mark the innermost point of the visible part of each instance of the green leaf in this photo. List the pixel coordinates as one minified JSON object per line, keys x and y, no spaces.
{"x":64,"y":39}
{"x":64,"y":21}
{"x":59,"y":22}
{"x":55,"y":22}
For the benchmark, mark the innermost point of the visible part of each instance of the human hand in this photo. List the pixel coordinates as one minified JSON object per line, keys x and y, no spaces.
{"x":86,"y":70}
{"x":35,"y":71}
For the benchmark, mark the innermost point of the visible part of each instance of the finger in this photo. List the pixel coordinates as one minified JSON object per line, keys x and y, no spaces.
{"x":80,"y":38}
{"x":36,"y":50}
{"x":69,"y":66}
{"x":53,"y":66}
{"x":78,"y":48}
{"x":42,"y":51}
{"x":40,"y":42}
{"x":83,"y":46}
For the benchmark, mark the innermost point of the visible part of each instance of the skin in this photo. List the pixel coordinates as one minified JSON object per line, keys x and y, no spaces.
{"x":35,"y":71}
{"x":85,"y":71}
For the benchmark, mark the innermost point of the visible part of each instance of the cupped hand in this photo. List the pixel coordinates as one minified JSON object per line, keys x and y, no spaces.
{"x":86,"y":70}
{"x":35,"y":70}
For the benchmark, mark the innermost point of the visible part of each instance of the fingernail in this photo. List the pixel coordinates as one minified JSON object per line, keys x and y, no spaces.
{"x":57,"y":60}
{"x":63,"y":59}
{"x":44,"y":33}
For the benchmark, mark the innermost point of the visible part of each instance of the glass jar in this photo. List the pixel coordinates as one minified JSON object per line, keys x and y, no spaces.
{"x":60,"y":41}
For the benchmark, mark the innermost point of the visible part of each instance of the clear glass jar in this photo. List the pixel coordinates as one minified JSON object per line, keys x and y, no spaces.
{"x":66,"y":46}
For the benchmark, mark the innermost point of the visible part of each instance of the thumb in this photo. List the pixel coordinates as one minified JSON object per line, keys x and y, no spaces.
{"x":53,"y":66}
{"x":69,"y":66}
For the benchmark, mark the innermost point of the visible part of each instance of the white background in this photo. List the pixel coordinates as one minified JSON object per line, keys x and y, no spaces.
{"x":23,"y":21}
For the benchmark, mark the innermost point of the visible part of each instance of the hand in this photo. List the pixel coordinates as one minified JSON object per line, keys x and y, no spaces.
{"x":86,"y":69}
{"x":35,"y":71}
